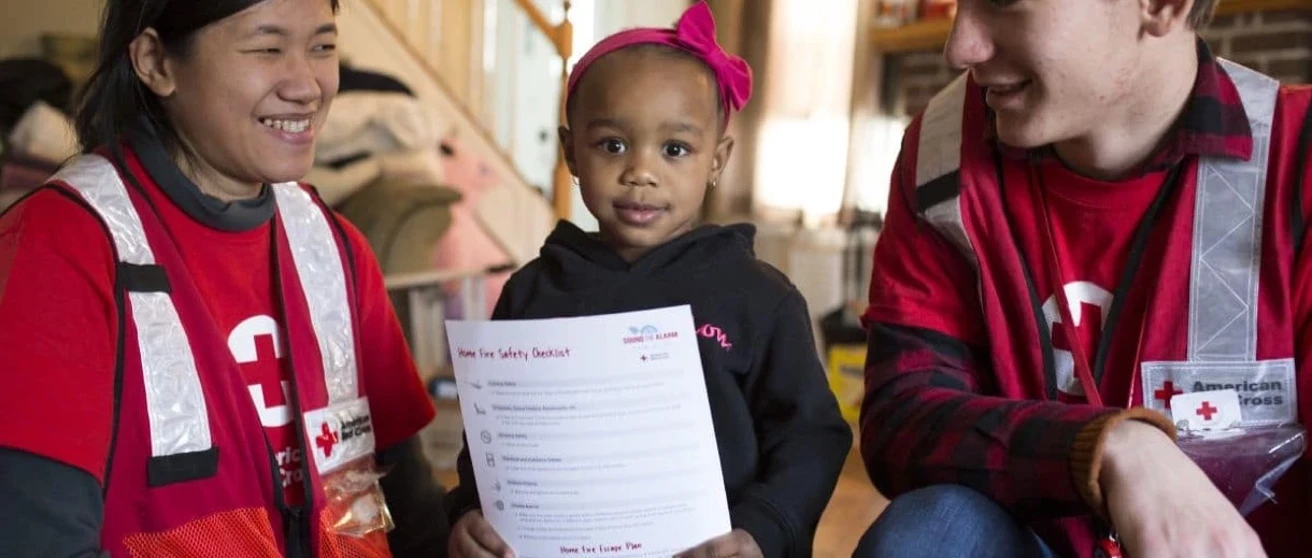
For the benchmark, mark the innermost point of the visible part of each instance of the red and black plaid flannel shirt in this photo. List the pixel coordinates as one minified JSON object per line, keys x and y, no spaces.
{"x":928,"y":417}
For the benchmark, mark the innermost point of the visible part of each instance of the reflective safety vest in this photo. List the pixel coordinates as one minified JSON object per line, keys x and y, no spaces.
{"x":190,"y":471}
{"x":1224,"y":278}
{"x":1211,"y":309}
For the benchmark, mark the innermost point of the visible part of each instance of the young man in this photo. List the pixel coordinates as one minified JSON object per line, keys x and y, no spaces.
{"x":1098,"y":215}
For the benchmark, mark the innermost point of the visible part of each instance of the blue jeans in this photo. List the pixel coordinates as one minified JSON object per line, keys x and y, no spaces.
{"x":948,"y":520}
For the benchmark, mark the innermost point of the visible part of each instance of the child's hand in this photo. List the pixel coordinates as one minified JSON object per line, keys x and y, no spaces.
{"x":474,"y":537}
{"x":737,"y":544}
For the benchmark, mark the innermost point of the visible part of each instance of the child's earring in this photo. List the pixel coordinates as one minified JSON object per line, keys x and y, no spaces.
{"x":576,"y":181}
{"x":711,"y":183}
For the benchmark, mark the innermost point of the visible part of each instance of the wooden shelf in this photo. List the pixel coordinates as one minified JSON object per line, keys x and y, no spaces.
{"x":921,"y":35}
{"x":931,"y":34}
{"x":1230,"y":7}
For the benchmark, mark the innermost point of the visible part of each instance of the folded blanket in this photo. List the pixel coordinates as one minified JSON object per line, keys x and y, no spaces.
{"x":44,"y":132}
{"x":337,"y":184}
{"x":371,"y":123}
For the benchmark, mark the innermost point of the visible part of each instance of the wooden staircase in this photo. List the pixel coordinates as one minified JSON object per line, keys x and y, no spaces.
{"x":471,"y":51}
{"x":465,"y":59}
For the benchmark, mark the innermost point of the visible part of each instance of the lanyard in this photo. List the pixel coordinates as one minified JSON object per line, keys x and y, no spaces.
{"x":1089,"y":373}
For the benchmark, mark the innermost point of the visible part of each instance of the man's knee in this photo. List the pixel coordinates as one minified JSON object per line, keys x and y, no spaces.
{"x":946,"y":520}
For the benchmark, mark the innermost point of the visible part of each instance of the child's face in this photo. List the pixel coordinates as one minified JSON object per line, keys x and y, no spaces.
{"x":1054,"y":69}
{"x":645,"y":140}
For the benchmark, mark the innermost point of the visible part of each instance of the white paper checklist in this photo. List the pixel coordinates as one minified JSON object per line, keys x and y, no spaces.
{"x":591,"y":436}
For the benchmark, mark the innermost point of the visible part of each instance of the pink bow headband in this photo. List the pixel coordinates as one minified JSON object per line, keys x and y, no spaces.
{"x":694,"y":34}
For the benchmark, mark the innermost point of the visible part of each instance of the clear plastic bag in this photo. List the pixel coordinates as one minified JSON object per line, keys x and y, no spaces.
{"x":355,"y":504}
{"x":1245,"y":463}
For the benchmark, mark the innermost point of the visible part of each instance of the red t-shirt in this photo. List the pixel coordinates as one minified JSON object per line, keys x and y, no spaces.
{"x":58,"y":331}
{"x":1093,"y":224}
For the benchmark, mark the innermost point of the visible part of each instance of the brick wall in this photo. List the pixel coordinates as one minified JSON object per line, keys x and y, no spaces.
{"x":1278,"y":43}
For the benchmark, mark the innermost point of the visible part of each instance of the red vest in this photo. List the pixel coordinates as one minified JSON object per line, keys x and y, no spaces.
{"x":1212,"y":298}
{"x":190,"y":471}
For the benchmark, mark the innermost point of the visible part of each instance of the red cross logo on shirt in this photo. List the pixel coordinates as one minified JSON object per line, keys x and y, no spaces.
{"x":1088,"y":305}
{"x":266,"y":351}
{"x":1166,"y":393}
{"x":1090,"y":326}
{"x":1207,"y":410}
{"x":326,"y":440}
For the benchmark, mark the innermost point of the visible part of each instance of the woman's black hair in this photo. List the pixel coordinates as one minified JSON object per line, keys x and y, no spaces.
{"x":115,"y":101}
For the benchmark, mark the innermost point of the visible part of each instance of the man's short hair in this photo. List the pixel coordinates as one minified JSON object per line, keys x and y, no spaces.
{"x":1201,"y":14}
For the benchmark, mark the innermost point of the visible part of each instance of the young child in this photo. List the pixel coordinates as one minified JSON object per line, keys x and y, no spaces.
{"x":646,"y":111}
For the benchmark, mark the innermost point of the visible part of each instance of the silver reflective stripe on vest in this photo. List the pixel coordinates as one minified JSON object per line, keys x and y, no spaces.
{"x":1227,"y":240}
{"x":323,"y":279}
{"x":1224,"y":277}
{"x":175,"y":404}
{"x":939,"y":153}
{"x":939,"y":158}
{"x":1225,"y":270}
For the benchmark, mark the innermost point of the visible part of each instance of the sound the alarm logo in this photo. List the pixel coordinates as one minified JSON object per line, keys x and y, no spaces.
{"x":648,"y":341}
{"x":647,"y":334}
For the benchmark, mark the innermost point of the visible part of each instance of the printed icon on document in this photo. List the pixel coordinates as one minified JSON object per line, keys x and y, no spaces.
{"x":476,"y":385}
{"x":501,"y":506}
{"x":486,"y":437}
{"x":491,"y":461}
{"x":479,"y":409}
{"x":497,"y":485}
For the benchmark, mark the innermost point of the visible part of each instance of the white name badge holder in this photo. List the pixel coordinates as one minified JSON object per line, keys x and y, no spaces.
{"x":1244,"y":460}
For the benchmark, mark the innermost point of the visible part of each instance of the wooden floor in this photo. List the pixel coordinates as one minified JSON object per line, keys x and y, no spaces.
{"x":852,"y":509}
{"x":854,"y":506}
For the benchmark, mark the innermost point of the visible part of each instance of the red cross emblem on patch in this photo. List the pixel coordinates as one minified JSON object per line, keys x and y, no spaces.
{"x":326,"y":440}
{"x":1166,"y":393}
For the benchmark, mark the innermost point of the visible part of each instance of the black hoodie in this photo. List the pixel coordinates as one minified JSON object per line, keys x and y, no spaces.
{"x":782,"y":441}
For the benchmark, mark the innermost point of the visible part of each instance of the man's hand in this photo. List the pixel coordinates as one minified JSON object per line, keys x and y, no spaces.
{"x":1163,"y":505}
{"x":474,"y":537}
{"x":736,"y":544}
